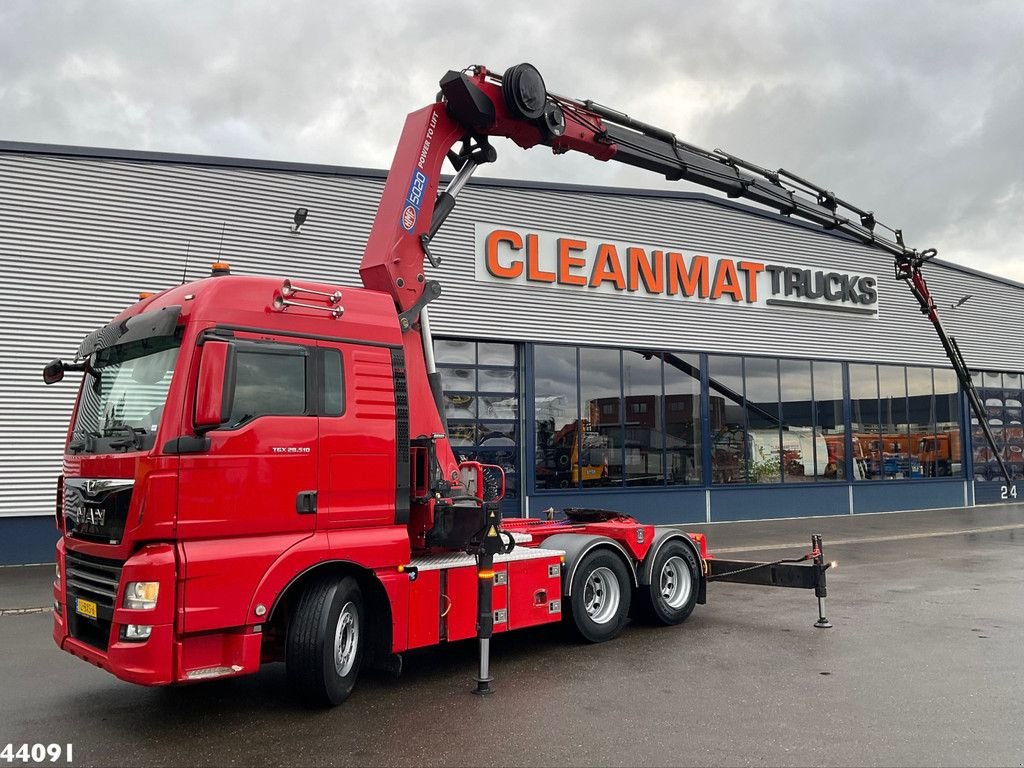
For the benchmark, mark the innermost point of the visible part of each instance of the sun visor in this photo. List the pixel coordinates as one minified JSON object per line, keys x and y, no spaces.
{"x":160,"y":322}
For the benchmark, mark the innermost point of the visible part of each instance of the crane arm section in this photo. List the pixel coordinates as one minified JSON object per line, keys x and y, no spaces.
{"x":476,"y":104}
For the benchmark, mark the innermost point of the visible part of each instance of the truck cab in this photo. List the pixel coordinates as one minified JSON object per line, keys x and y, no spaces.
{"x":213,"y":439}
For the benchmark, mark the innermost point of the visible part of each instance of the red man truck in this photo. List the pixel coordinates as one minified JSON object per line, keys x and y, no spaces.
{"x":258,"y":470}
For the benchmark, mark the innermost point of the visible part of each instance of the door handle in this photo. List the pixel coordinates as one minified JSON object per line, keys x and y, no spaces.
{"x":305,"y":503}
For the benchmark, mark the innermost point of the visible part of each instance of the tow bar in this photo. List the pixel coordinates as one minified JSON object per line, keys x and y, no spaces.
{"x":790,"y":573}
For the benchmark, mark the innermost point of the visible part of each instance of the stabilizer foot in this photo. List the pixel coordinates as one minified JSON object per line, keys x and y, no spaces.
{"x":822,"y":622}
{"x":483,"y":687}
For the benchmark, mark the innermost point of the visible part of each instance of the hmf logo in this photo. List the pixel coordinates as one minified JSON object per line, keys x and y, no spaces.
{"x":418,"y":185}
{"x":560,"y":261}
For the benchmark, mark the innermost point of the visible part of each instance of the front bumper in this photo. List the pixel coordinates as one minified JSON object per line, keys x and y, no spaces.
{"x":164,"y":657}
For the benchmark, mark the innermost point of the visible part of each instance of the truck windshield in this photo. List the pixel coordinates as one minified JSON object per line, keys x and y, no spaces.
{"x":123,"y":396}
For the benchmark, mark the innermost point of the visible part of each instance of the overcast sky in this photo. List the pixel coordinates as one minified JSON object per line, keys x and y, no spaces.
{"x":912,"y":109}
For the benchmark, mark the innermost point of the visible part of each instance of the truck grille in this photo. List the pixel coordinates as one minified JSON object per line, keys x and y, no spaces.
{"x":96,"y":580}
{"x":97,"y":509}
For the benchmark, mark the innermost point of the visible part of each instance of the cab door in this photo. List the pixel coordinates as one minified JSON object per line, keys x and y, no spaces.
{"x":250,"y":494}
{"x":357,"y":461}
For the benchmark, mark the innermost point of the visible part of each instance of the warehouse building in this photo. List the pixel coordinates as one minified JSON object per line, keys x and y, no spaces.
{"x":675,"y":355}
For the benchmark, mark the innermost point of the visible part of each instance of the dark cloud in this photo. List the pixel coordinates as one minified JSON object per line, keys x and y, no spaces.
{"x":914,"y":108}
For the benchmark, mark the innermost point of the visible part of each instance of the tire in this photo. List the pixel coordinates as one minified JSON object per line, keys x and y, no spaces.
{"x":675,"y":579}
{"x":601,"y":592}
{"x":326,"y":638}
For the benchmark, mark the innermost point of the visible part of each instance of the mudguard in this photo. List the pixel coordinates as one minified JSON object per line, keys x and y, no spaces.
{"x":576,"y":546}
{"x":661,"y":538}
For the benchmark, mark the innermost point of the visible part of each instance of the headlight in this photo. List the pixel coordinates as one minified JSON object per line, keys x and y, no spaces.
{"x":57,"y":568}
{"x":141,"y":595}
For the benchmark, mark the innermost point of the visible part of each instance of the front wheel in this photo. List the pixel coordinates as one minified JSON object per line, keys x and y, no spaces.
{"x":675,"y":578}
{"x":601,"y":592}
{"x":325,"y":641}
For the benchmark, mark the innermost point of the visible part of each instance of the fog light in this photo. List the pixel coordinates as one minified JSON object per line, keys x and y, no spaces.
{"x":57,"y":569}
{"x":141,"y":595}
{"x":56,"y":608}
{"x":137,"y":632}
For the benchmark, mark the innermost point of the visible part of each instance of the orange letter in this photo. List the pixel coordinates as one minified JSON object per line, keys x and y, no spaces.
{"x":727,"y":281}
{"x":567,"y":262}
{"x":515,"y":268}
{"x":752,"y":269}
{"x":694,"y":280}
{"x":607,"y":268}
{"x":534,"y":272}
{"x":639,"y":267}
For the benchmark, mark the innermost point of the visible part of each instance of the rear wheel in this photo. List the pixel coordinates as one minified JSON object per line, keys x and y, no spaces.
{"x":675,"y":578}
{"x":325,"y":641}
{"x":601,"y":592}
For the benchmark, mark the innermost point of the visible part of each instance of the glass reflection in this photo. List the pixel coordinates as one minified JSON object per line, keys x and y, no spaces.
{"x":805,"y":455}
{"x":643,"y":420}
{"x":864,"y":422}
{"x":829,"y":419}
{"x":1000,"y":392}
{"x":765,"y":458}
{"x":556,"y":413}
{"x":600,"y":457}
{"x":728,"y":419}
{"x":682,"y":419}
{"x":482,"y":426}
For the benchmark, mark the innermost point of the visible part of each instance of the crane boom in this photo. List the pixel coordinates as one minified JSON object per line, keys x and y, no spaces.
{"x":475,"y":104}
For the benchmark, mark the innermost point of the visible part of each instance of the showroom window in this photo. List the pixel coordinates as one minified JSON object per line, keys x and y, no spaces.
{"x":481,"y":396}
{"x":683,"y":454}
{"x":556,"y":415}
{"x":904,"y":422}
{"x":829,"y":420}
{"x":1000,"y":392}
{"x":631,"y":417}
{"x":600,"y":450}
{"x":801,"y":461}
{"x":608,"y":418}
{"x":728,"y":419}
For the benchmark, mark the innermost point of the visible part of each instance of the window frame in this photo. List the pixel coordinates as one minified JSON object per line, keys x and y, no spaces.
{"x":311,"y":394}
{"x":320,"y":381}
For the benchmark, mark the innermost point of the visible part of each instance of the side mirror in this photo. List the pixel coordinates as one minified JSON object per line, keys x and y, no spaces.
{"x":53,"y":372}
{"x":215,"y":390}
{"x":55,"y":369}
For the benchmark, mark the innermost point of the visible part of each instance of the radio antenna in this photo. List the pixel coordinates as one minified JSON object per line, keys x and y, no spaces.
{"x":184,"y":270}
{"x":223,"y":225}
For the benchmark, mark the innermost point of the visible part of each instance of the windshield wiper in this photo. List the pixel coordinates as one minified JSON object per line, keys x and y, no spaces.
{"x":133,"y":434}
{"x":84,"y":441}
{"x":243,"y":420}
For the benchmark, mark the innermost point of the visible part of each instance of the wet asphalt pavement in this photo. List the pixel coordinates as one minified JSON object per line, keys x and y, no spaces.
{"x":924,"y":667}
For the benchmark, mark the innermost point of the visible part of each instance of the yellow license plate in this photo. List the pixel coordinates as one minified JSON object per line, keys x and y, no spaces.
{"x":85,"y":607}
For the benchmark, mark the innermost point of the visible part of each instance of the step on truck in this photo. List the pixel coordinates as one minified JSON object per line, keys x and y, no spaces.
{"x":259,"y":470}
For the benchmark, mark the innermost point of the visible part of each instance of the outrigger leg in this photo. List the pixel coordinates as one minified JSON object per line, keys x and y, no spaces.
{"x":820,"y":589}
{"x":490,"y":544}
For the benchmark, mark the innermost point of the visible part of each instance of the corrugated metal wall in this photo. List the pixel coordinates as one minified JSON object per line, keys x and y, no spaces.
{"x":80,"y":236}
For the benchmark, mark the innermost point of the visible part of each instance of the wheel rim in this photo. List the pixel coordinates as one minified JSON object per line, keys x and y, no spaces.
{"x":676,"y":582}
{"x":601,"y":595}
{"x":346,"y":640}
